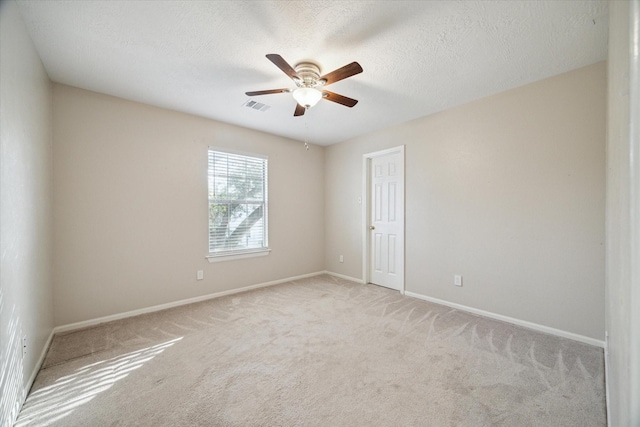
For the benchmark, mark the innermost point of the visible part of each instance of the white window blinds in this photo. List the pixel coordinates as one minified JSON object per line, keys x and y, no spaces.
{"x":237,"y":203}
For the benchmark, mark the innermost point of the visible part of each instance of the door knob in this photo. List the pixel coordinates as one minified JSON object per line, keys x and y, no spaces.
{"x":371,"y":227}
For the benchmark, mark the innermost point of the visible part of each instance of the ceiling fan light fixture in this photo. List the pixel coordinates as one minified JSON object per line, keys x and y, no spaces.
{"x":307,"y":96}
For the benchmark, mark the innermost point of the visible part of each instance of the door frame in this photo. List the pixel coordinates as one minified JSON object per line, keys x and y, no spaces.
{"x":366,"y":209}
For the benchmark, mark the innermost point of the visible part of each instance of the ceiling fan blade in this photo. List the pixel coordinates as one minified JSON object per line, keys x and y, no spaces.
{"x":299,"y":110}
{"x":340,"y":99}
{"x":342,"y":73}
{"x":283,"y":65}
{"x":266,"y":92}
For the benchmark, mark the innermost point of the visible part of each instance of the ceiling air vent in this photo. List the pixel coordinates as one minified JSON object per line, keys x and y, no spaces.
{"x":257,"y":105}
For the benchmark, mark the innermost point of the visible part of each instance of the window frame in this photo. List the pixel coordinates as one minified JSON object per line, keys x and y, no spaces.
{"x":227,"y":255}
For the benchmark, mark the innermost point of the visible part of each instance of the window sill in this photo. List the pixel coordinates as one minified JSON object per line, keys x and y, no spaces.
{"x":237,"y":255}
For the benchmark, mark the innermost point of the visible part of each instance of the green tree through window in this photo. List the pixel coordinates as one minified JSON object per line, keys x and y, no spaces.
{"x":237,"y":203}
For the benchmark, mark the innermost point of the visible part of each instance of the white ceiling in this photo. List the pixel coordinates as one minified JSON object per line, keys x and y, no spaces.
{"x":419,"y":57}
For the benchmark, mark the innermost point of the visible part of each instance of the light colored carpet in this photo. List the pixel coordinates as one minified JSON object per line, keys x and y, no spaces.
{"x":316,"y":352}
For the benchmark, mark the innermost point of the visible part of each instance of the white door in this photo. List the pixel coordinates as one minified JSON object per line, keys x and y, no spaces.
{"x":386,"y":219}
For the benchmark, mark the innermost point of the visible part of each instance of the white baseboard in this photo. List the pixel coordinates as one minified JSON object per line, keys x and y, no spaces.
{"x":99,"y":320}
{"x":519,"y":322}
{"x":342,"y":276}
{"x":36,"y":368}
{"x":40,"y":361}
{"x":524,"y":323}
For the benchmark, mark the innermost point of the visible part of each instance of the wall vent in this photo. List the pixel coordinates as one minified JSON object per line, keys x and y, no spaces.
{"x":257,"y":105}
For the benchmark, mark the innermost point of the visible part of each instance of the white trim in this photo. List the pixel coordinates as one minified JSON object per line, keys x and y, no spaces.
{"x":524,"y":323}
{"x":99,"y":320}
{"x":40,"y":361}
{"x":385,"y":152}
{"x":366,"y":205}
{"x":342,"y":276}
{"x":241,"y":253}
{"x":213,"y":257}
{"x":237,"y":152}
{"x":365,"y":218}
{"x":36,"y":369}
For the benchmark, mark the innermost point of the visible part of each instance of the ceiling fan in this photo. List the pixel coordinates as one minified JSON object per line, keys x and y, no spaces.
{"x":310,"y":84}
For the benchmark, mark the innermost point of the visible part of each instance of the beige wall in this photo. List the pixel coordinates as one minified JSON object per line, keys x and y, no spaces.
{"x":507,"y":191}
{"x":623,"y":217}
{"x":25,"y":210}
{"x":130,"y":208}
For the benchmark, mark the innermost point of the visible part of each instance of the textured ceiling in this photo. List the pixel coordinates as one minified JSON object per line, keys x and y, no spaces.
{"x":419,"y":58}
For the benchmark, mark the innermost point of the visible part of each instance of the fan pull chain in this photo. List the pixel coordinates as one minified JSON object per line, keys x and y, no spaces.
{"x":306,"y":131}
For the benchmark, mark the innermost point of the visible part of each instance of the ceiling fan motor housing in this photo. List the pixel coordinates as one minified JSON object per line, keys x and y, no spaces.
{"x":309,"y":74}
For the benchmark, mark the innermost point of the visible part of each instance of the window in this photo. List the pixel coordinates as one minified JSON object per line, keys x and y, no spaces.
{"x":237,"y":204}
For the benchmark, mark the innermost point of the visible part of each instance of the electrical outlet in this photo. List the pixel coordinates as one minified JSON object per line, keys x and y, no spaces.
{"x":341,"y":258}
{"x":24,"y":346}
{"x":457,"y":280}
{"x":200,"y":275}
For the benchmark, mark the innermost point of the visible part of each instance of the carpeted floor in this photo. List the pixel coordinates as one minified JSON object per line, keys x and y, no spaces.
{"x":316,"y":352}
